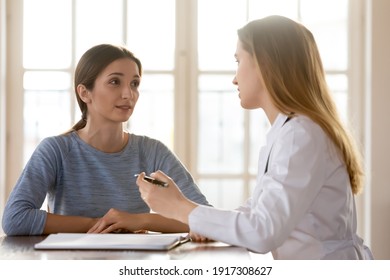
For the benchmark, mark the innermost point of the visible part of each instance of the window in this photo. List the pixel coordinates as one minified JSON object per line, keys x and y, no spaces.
{"x":229,"y":138}
{"x":223,"y":139}
{"x":51,"y":52}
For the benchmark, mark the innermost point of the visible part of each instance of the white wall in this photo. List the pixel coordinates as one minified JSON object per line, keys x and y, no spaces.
{"x":2,"y":104}
{"x":378,"y":124}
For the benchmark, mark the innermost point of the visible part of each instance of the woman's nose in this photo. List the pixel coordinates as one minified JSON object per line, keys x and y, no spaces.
{"x":234,"y":81}
{"x":127,"y":93}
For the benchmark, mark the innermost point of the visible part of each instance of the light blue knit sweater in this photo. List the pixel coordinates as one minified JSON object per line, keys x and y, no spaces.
{"x":80,"y":180}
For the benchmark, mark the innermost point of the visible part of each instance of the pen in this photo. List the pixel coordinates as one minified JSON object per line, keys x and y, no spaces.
{"x":154,"y":181}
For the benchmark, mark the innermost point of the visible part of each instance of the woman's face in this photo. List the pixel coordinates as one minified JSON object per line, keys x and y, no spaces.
{"x":252,"y":91}
{"x":115,"y":92}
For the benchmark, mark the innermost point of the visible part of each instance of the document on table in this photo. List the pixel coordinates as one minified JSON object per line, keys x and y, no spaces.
{"x":112,"y":241}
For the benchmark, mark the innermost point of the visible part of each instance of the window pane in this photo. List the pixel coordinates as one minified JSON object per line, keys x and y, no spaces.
{"x":151,"y":32}
{"x":153,"y":115}
{"x":47,"y":34}
{"x":46,"y":113}
{"x":46,"y":80}
{"x":332,"y":44}
{"x":262,"y":8}
{"x":221,"y":135}
{"x":329,"y":27}
{"x":46,"y":106}
{"x":324,"y":10}
{"x":338,"y":84}
{"x":218,"y":21}
{"x":225,"y":194}
{"x":98,"y":22}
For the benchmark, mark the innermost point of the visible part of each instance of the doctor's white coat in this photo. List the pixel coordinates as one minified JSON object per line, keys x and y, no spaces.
{"x":302,"y":206}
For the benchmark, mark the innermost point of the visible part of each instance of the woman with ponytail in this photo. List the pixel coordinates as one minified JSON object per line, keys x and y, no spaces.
{"x":87,"y":173}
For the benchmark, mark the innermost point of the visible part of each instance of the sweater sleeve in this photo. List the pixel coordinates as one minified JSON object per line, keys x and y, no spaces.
{"x":22,"y":214}
{"x":160,"y":157}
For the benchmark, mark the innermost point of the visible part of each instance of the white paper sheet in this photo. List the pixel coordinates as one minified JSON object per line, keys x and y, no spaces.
{"x":111,"y":241}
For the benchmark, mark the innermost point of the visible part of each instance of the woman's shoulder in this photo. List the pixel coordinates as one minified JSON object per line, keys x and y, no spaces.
{"x":149,"y":147}
{"x":61,"y":139}
{"x":304,"y":123}
{"x":62,"y":142}
{"x":145,"y":141}
{"x":303,"y":128}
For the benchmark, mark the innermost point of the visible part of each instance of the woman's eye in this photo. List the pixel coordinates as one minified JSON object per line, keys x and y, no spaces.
{"x":134,"y":84}
{"x":114,"y":82}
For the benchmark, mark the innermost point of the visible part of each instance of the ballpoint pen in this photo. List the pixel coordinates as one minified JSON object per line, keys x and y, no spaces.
{"x":154,"y":181}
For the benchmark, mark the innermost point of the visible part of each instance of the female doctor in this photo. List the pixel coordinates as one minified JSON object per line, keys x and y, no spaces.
{"x":303,"y":205}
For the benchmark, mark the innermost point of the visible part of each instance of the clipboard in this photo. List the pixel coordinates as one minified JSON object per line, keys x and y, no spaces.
{"x":112,"y":241}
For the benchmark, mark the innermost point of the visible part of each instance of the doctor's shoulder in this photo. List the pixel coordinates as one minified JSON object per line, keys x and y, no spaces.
{"x":303,"y":129}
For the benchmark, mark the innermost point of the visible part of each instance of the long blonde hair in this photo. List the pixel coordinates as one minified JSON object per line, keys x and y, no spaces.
{"x":290,"y":64}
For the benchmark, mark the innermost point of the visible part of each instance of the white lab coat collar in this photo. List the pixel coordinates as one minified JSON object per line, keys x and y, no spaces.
{"x":272,"y":135}
{"x":278,"y":123}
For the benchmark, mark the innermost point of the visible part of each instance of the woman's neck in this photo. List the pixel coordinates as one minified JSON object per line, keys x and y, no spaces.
{"x":106,"y":139}
{"x":271,"y":114}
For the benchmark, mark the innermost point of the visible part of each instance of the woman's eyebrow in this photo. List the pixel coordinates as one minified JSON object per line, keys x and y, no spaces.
{"x":121,"y":74}
{"x":116,"y":74}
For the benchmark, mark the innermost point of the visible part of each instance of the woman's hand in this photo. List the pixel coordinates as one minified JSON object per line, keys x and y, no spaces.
{"x":166,"y":201}
{"x":118,"y":222}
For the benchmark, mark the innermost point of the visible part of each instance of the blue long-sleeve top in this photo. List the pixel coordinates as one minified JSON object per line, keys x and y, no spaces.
{"x":80,"y":180}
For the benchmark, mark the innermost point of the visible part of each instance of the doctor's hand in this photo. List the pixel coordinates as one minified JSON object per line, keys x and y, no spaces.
{"x":195,"y":237}
{"x":167,"y":201}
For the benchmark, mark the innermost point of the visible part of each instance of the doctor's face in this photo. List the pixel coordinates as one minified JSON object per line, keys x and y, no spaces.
{"x":248,"y":80}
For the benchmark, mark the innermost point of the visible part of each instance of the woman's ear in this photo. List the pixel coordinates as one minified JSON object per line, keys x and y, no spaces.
{"x":83,"y":93}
